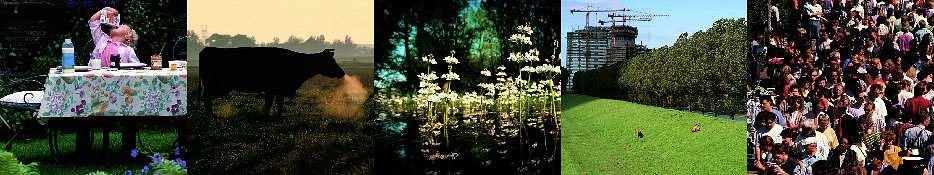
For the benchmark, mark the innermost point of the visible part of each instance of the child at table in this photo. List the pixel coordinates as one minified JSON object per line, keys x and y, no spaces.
{"x":118,"y":42}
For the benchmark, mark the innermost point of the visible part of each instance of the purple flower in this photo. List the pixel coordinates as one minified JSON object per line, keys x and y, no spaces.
{"x":178,"y":151}
{"x":181,"y":163}
{"x":128,"y":172}
{"x":144,"y":170}
{"x":156,"y":158}
{"x":134,"y":153}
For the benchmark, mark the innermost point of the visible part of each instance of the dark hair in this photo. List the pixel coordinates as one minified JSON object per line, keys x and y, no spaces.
{"x":824,"y":167}
{"x":920,"y":89}
{"x":919,"y":118}
{"x":766,"y":98}
{"x":764,"y":116}
{"x":766,"y":141}
{"x":788,"y":133}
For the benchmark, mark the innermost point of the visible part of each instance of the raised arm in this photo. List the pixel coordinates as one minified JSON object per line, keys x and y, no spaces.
{"x":94,"y":23}
{"x":97,"y":15}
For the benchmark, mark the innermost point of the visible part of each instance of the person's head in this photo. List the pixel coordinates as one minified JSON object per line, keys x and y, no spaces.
{"x":920,"y":89}
{"x":781,"y":154}
{"x":860,"y":95}
{"x":889,"y":138}
{"x":869,"y":107}
{"x":835,"y":75}
{"x":789,"y":78}
{"x":794,"y":91}
{"x":904,"y":85}
{"x":814,"y":74}
{"x":921,"y":119}
{"x":766,"y":104}
{"x":807,"y":129}
{"x":821,"y":83}
{"x":823,"y":122}
{"x":766,"y":143}
{"x":797,"y":103}
{"x":765,"y":119}
{"x":811,"y":148}
{"x":838,"y":89}
{"x":124,"y":33}
{"x":876,"y":90}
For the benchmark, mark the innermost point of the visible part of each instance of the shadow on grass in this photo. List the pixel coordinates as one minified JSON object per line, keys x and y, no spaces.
{"x":34,"y":148}
{"x":240,"y":139}
{"x":570,"y":101}
{"x":253,"y":143}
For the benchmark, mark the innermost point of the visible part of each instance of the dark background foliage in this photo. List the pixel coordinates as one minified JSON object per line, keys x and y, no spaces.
{"x":478,"y":34}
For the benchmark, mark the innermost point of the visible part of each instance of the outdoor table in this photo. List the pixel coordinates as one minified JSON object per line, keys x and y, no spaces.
{"x":101,"y":98}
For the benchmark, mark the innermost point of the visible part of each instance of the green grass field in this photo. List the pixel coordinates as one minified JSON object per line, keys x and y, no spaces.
{"x":598,"y":137}
{"x":36,"y":149}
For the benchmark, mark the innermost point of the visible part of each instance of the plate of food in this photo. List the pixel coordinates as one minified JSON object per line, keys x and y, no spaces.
{"x":132,"y":65}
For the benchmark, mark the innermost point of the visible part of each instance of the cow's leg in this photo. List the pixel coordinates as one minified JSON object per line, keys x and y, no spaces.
{"x":209,"y":106}
{"x":279,"y":106}
{"x":268,"y":103}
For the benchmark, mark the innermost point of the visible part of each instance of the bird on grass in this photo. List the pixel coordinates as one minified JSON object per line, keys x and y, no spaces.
{"x":696,"y":127}
{"x":639,"y":133}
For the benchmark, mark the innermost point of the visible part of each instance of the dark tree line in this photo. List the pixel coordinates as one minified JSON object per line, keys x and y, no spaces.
{"x":342,"y":48}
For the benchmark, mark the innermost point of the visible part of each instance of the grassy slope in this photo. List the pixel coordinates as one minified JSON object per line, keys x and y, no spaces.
{"x":598,"y":137}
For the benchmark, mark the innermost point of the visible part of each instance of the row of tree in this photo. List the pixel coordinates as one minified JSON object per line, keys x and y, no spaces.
{"x":342,"y":48}
{"x":700,"y":72}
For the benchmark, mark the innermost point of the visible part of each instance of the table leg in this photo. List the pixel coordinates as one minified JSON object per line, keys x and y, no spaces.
{"x":105,"y":145}
{"x":9,"y":143}
{"x":181,"y":130}
{"x":129,"y":136}
{"x":53,"y":146}
{"x":83,"y":140}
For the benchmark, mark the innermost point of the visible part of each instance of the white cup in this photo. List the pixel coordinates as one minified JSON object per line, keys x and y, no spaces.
{"x":95,"y":64}
{"x":179,"y":64}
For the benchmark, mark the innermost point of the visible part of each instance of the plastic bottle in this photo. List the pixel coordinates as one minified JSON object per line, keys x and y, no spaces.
{"x":68,"y":56}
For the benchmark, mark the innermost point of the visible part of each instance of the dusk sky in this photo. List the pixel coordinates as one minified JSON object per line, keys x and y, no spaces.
{"x":266,"y":19}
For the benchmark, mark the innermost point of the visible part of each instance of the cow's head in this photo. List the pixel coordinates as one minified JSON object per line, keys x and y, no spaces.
{"x":330,"y":67}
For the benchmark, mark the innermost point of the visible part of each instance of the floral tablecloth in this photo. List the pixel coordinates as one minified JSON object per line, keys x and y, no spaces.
{"x":115,"y":93}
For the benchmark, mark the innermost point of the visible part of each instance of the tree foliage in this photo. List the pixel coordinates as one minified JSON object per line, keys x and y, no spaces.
{"x":476,"y":30}
{"x":700,"y":72}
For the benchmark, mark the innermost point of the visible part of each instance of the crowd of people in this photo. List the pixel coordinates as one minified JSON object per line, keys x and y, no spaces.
{"x":842,"y":87}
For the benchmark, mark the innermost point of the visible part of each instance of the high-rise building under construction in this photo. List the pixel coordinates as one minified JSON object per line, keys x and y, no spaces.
{"x":597,"y":46}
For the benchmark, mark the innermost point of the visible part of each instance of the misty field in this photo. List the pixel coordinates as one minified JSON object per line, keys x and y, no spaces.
{"x":322,"y":129}
{"x":599,"y":138}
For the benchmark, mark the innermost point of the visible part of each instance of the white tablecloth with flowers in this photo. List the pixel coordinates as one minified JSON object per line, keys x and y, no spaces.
{"x":115,"y":93}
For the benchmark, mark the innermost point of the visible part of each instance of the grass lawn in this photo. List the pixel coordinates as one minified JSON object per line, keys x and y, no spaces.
{"x":36,"y":150}
{"x":598,"y":137}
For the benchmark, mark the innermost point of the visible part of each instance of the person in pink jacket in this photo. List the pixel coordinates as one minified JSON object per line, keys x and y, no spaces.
{"x":118,"y":41}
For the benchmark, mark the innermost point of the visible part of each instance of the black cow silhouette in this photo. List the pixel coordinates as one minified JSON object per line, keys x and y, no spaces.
{"x":275,"y":72}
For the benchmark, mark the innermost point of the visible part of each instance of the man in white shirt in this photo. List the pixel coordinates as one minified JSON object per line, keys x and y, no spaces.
{"x":815,"y":13}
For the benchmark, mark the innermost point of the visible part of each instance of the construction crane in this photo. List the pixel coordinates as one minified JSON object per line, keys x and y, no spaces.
{"x":626,"y":18}
{"x":589,"y":10}
{"x":587,"y":13}
{"x":623,"y":19}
